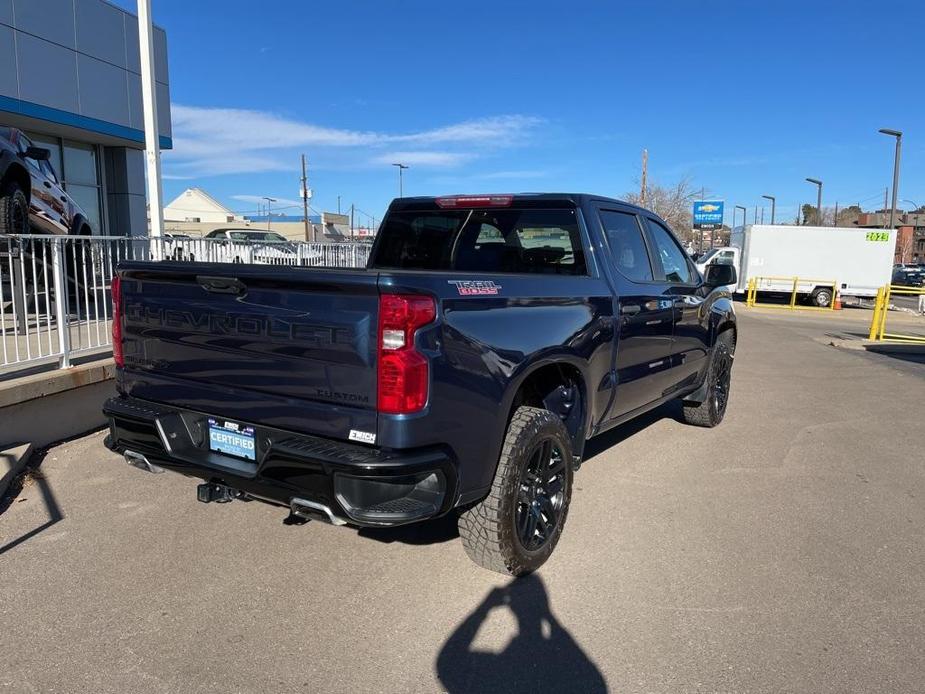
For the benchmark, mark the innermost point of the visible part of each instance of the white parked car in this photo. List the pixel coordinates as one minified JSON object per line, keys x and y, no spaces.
{"x":250,"y":246}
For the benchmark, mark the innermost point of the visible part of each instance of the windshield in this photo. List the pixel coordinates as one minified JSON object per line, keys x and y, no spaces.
{"x":482,"y":240}
{"x":255,"y":236}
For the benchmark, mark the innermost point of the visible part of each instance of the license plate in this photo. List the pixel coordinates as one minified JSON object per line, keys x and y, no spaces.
{"x":232,"y":438}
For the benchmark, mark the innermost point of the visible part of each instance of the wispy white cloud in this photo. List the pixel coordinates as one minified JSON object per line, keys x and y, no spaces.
{"x":216,"y":141}
{"x":279,"y":202}
{"x":526,"y":173}
{"x":423,"y":158}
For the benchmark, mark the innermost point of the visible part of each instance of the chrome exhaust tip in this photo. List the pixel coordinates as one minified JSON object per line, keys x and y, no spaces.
{"x":312,"y":510}
{"x":139,"y":460}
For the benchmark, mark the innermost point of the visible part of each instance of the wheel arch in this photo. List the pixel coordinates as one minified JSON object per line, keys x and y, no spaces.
{"x":79,"y":222}
{"x":16,"y":173}
{"x":559,"y":384}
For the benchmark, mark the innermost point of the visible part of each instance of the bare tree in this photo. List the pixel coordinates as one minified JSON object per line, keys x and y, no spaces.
{"x":672,"y":203}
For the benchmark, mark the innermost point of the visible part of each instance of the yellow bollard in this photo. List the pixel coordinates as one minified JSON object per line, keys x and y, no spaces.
{"x":875,"y":319}
{"x":793,"y":295}
{"x":884,"y":310}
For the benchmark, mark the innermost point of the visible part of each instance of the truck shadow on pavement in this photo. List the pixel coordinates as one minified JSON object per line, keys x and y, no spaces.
{"x":51,"y":503}
{"x":542,"y":656}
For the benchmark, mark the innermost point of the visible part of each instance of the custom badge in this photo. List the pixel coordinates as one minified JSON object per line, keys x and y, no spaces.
{"x":476,"y":287}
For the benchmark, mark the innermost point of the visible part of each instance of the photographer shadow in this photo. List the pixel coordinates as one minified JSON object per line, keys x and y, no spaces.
{"x":543,"y":656}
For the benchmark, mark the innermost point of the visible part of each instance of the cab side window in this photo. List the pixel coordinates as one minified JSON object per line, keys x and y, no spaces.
{"x":673,"y":259}
{"x":627,"y":246}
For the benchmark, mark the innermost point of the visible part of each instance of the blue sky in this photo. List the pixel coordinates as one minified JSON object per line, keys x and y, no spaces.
{"x":743,"y":97}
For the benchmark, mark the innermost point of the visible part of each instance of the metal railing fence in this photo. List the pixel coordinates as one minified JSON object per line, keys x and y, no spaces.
{"x":881,"y":309}
{"x":55,"y":299}
{"x":795,"y":287}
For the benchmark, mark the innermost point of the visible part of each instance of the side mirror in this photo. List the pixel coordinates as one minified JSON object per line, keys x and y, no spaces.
{"x":720,"y":275}
{"x":37,"y":153}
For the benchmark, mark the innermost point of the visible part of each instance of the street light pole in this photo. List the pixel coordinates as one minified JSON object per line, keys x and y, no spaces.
{"x":773,"y":205}
{"x":149,"y":115}
{"x":744,"y":213}
{"x":269,"y":200}
{"x":401,"y":168}
{"x":899,"y":143}
{"x":818,"y":183}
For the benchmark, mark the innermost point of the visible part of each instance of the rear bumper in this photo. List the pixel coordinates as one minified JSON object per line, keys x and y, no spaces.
{"x":365,"y":485}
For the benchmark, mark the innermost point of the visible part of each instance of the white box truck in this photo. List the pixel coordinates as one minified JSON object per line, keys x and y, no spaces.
{"x":856,"y":261}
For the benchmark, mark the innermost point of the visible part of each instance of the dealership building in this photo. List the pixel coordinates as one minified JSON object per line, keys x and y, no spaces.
{"x":70,"y":77}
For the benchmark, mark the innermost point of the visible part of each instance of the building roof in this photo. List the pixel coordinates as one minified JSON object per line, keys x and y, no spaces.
{"x":204,"y":199}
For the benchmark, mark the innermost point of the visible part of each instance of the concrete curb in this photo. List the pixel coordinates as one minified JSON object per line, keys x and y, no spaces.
{"x":13,"y":461}
{"x":879,"y":347}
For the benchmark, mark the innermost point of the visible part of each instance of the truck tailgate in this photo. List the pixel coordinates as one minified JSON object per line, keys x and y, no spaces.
{"x":290,"y":348}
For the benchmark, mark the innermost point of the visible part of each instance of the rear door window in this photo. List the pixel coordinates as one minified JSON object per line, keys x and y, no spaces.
{"x":627,"y":246}
{"x":490,"y":240}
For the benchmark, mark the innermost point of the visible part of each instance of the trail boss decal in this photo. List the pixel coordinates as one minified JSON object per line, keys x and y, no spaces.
{"x":475,"y":287}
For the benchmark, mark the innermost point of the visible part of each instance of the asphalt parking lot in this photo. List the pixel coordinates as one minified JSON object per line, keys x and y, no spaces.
{"x":781,"y":551}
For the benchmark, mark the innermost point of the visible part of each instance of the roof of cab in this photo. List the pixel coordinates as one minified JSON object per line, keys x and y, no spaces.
{"x":520,"y":199}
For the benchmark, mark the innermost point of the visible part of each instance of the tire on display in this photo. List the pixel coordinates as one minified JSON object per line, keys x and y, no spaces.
{"x":14,"y":211}
{"x":711,"y":411}
{"x":516,"y":527}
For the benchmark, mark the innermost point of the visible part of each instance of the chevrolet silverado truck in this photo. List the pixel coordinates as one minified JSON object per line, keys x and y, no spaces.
{"x":462,"y":371}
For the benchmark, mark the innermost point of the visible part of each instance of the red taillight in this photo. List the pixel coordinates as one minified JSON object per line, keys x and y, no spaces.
{"x":475,"y":201}
{"x":403,"y":373}
{"x":117,"y":354}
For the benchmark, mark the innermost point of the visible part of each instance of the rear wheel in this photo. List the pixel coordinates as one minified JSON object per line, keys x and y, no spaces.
{"x":516,"y":527}
{"x":821,"y":297}
{"x":711,"y":411}
{"x":14,"y":211}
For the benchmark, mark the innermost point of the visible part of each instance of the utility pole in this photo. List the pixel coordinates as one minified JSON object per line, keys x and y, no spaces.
{"x":645,"y":171}
{"x":886,"y":201}
{"x":351,"y":222}
{"x":835,"y":221}
{"x":762,"y":215}
{"x":305,"y":198}
{"x":338,"y":204}
{"x":756,"y":215}
{"x":149,"y":109}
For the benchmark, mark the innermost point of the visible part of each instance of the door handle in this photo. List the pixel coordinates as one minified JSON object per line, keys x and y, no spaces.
{"x":629,"y":310}
{"x":63,"y":198}
{"x":46,"y":184}
{"x":221,"y":285}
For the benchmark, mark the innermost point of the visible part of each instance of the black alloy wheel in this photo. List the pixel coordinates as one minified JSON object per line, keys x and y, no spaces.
{"x":541,"y":495}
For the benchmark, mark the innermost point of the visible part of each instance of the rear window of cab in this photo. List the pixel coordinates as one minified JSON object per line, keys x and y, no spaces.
{"x":490,"y":240}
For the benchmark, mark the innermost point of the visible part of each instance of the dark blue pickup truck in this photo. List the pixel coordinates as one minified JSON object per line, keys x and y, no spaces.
{"x":461,"y":372}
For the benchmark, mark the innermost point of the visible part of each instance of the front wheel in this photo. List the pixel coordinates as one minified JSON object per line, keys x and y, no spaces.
{"x":711,"y":411}
{"x":14,"y":211}
{"x":516,"y":527}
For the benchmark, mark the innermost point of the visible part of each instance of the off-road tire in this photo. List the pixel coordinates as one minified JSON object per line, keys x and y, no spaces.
{"x":488,"y":529}
{"x":711,"y":411}
{"x":14,"y":211}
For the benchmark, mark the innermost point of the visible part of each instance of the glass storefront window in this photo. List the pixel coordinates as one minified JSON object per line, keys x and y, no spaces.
{"x":80,"y":164}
